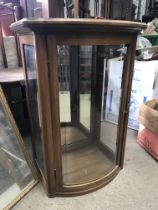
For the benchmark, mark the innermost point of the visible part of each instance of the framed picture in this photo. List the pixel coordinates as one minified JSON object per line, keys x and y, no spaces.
{"x":17,"y":174}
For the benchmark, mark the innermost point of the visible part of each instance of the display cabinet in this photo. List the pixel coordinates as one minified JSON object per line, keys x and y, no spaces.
{"x":74,"y":68}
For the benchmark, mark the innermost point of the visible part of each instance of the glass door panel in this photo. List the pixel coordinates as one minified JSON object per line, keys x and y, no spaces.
{"x":111,"y":97}
{"x":64,"y":83}
{"x":89,"y":138}
{"x":34,"y":104}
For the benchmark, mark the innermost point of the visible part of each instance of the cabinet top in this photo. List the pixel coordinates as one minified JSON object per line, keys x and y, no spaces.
{"x":67,"y":24}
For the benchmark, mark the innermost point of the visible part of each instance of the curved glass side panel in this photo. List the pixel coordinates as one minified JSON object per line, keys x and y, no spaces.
{"x":34,"y":105}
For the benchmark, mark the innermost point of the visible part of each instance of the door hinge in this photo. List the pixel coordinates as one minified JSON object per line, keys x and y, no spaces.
{"x":55,"y":173}
{"x":48,"y":64}
{"x":126,"y":111}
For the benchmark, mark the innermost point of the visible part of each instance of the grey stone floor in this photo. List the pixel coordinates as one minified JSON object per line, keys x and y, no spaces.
{"x":135,"y":188}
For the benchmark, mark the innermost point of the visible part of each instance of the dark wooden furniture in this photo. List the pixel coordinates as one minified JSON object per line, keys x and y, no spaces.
{"x":45,"y":8}
{"x":153,"y":7}
{"x":121,"y":9}
{"x":111,"y":9}
{"x":12,"y":82}
{"x":6,"y":18}
{"x":151,"y":11}
{"x":9,"y":13}
{"x":70,"y":67}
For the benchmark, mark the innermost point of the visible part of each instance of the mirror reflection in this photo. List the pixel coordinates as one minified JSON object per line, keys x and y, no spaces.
{"x":15,"y":173}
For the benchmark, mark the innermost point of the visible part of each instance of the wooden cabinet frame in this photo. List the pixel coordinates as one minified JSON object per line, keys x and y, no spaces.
{"x":47,"y":35}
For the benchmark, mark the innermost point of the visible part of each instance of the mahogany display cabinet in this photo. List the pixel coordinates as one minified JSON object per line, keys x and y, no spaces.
{"x":78,"y":76}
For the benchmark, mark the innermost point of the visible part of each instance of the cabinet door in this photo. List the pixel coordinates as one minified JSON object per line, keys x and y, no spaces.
{"x":90,"y":103}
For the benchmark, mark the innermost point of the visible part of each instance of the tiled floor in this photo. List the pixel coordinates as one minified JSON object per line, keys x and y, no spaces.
{"x":135,"y":188}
